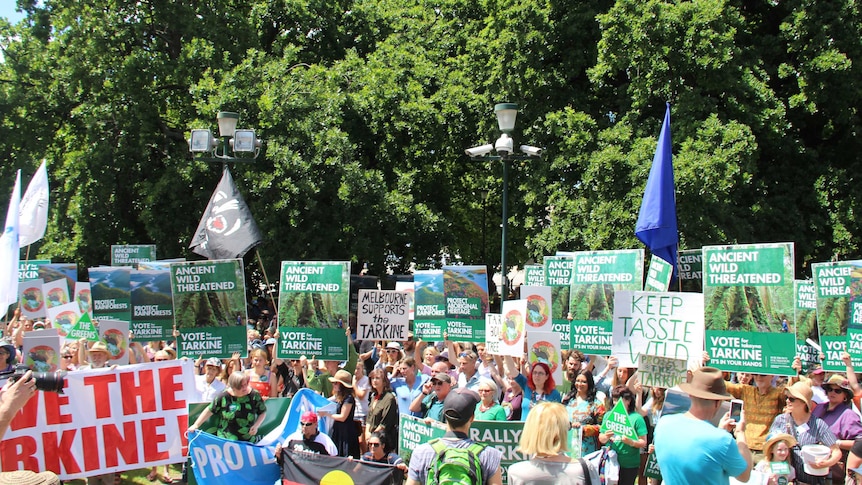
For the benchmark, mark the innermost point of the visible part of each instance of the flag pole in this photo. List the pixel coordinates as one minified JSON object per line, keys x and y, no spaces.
{"x":263,"y":270}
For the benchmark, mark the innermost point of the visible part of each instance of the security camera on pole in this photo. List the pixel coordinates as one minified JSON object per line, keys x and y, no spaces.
{"x":504,"y":149}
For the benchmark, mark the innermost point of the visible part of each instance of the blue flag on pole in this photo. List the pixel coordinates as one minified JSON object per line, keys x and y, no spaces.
{"x":656,"y":226}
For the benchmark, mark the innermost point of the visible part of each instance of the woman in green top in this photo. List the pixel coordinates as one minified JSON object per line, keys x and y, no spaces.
{"x":628,"y":450}
{"x":488,"y":409}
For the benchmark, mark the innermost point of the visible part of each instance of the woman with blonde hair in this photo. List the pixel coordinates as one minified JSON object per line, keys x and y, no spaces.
{"x":545,"y":440}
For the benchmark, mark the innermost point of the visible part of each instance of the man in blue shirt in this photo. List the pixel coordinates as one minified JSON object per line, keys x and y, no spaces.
{"x":407,"y":385}
{"x":689,"y":449}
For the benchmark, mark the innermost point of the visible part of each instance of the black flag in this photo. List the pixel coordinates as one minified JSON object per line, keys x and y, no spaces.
{"x":227,"y":230}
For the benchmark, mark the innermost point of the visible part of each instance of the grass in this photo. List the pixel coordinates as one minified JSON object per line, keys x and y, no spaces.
{"x":136,"y":476}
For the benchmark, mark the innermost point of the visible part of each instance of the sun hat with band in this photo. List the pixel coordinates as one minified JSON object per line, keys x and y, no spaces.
{"x":343,"y":377}
{"x":25,"y":477}
{"x":840,"y":382}
{"x":707,"y":383}
{"x":802,"y":391}
{"x":99,"y":347}
{"x":775,"y":438}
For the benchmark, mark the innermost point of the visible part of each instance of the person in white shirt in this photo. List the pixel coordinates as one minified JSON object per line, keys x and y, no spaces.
{"x":208,"y":385}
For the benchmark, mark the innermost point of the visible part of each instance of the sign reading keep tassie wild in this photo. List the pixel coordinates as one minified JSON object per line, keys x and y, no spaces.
{"x":749,"y":300}
{"x":313,"y":307}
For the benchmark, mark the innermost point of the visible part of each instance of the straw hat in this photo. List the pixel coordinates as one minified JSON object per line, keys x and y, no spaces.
{"x":26,"y":477}
{"x":773,"y":440}
{"x":801,"y":390}
{"x":840,"y":382}
{"x":343,"y":377}
{"x":707,"y":383}
{"x":99,"y":347}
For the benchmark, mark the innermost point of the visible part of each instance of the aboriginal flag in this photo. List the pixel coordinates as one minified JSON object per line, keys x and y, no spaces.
{"x":302,"y":468}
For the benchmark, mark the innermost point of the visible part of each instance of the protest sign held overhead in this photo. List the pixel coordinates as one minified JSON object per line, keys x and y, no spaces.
{"x":493,"y":332}
{"x":514,"y":331}
{"x":658,"y":274}
{"x":691,"y":270}
{"x":539,"y":307}
{"x":382,"y":315}
{"x":64,"y":317}
{"x":596,"y":276}
{"x":662,"y":324}
{"x":430,"y":305}
{"x":31,"y":300}
{"x":748,"y":293}
{"x":835,"y":312}
{"x":84,"y":329}
{"x":545,"y":347}
{"x":209,"y":307}
{"x":152,"y":304}
{"x":56,"y":293}
{"x":29,"y":269}
{"x":132,"y":254}
{"x":84,"y":297}
{"x":112,"y":292}
{"x":558,"y":276}
{"x":115,"y":334}
{"x":467,"y":302}
{"x":313,"y":307}
{"x":666,"y":372}
{"x":806,"y":324}
{"x":227,"y":229}
{"x":534,"y":275}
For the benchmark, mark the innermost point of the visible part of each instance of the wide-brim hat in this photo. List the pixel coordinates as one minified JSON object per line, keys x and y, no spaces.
{"x":99,"y":347}
{"x":840,"y":382}
{"x":773,"y":439}
{"x":394,"y":345}
{"x":707,"y":383}
{"x":343,"y":377}
{"x":801,"y":390}
{"x":26,"y":477}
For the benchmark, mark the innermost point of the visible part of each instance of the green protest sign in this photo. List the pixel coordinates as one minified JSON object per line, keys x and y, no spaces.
{"x":658,"y":274}
{"x":430,"y":305}
{"x":690,"y":266}
{"x":748,"y":294}
{"x":595,"y":278}
{"x":152,"y":305}
{"x":806,"y":324}
{"x":618,"y":421}
{"x":132,"y":254}
{"x":84,"y":328}
{"x":839,"y":317}
{"x":558,"y":276}
{"x":534,"y":275}
{"x":111,"y":290}
{"x":651,"y":470}
{"x":467,"y":302}
{"x":29,"y":269}
{"x":209,"y":307}
{"x":312,"y":309}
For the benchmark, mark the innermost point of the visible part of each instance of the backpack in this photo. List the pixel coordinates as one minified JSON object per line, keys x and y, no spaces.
{"x":455,"y":465}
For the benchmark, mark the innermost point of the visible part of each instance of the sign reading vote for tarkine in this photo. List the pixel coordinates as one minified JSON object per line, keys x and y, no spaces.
{"x":382,"y":315}
{"x":838,"y":316}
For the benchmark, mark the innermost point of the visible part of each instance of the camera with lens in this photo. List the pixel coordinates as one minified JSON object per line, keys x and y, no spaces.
{"x":45,"y":381}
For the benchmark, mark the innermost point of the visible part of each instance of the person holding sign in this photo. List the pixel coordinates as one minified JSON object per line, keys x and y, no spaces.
{"x":776,"y":462}
{"x":628,"y":422}
{"x":690,"y":449}
{"x":538,"y":387}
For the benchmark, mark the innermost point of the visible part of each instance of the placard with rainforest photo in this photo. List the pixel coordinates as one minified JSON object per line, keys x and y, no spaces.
{"x":837,"y":287}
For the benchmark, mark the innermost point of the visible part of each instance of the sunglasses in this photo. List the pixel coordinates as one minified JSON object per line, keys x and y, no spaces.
{"x":305,"y":425}
{"x":836,"y":390}
{"x":435,"y":382}
{"x":157,"y":360}
{"x":67,"y":356}
{"x":468,"y":355}
{"x":391,"y":351}
{"x":374,"y":445}
{"x":791,"y":399}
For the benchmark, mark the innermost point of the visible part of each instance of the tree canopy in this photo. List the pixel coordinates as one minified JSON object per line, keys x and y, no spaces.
{"x":366,"y":107}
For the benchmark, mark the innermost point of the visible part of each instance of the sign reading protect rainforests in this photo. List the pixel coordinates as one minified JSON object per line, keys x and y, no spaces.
{"x":661,"y":324}
{"x":806,"y":324}
{"x":312,"y":309}
{"x":833,"y":283}
{"x":558,"y":276}
{"x":209,"y":307}
{"x":111,"y":290}
{"x":132,"y":254}
{"x":152,"y":305}
{"x":748,"y":293}
{"x":466,"y":290}
{"x":430,"y":305}
{"x":597,"y":275}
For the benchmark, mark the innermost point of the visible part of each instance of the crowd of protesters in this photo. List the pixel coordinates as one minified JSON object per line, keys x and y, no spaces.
{"x":383,"y":379}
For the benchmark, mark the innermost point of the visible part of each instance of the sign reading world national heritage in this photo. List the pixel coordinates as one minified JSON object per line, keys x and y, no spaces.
{"x":748,"y":294}
{"x":313,"y":305}
{"x":209,"y":307}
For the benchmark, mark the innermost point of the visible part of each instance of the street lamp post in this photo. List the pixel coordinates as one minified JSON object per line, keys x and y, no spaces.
{"x":503,"y":150}
{"x":232,"y":145}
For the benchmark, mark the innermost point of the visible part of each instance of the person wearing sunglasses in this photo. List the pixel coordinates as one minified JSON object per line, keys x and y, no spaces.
{"x":429,"y":403}
{"x":308,"y":438}
{"x":838,"y":414}
{"x":379,"y":452}
{"x":807,"y":429}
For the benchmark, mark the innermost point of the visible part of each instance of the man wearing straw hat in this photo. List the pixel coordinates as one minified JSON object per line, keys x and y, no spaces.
{"x":690,"y":449}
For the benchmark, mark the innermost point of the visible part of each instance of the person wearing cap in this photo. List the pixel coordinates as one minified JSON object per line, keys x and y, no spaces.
{"x":815,"y":379}
{"x":407,"y":385}
{"x":458,"y":414}
{"x":840,"y":417}
{"x":776,"y":459}
{"x":690,"y":449}
{"x":807,"y":429}
{"x":208,"y":385}
{"x":430,"y":402}
{"x":344,"y":431}
{"x":308,"y":439}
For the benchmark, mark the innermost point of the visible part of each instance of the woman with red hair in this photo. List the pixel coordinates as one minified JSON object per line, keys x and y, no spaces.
{"x":538,"y":385}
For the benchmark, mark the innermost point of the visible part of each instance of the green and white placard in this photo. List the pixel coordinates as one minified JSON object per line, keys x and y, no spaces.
{"x":806,"y":324}
{"x":617,"y":420}
{"x":29,"y":269}
{"x":111,"y":290}
{"x":152,"y":305}
{"x":748,"y":292}
{"x":558,"y":276}
{"x":690,"y":266}
{"x":132,"y":254}
{"x":833,"y":283}
{"x":467,"y":302}
{"x":596,"y":276}
{"x":658,"y":274}
{"x":429,"y":320}
{"x":534,"y":275}
{"x":313,"y":308}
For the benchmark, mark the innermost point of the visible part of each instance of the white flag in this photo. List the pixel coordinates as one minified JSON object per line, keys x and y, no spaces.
{"x":34,"y":208}
{"x":9,"y":251}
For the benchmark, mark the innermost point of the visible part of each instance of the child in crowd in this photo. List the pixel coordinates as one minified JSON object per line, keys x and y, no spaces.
{"x":775,"y":465}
